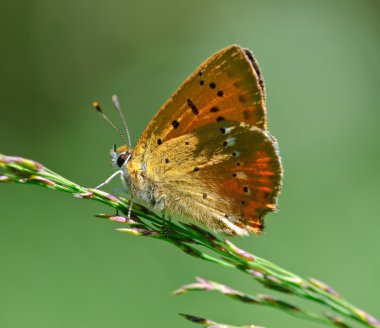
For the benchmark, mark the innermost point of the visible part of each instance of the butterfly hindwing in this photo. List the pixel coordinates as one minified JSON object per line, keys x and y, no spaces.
{"x":226,"y":176}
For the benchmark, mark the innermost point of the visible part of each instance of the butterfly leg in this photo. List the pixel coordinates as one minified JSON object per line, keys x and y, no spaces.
{"x":109,"y":179}
{"x":130,"y":208}
{"x":130,"y":202}
{"x":115,"y":192}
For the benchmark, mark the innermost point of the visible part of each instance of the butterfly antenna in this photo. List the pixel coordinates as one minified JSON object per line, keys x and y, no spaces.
{"x":96,"y":105}
{"x":116,"y":104}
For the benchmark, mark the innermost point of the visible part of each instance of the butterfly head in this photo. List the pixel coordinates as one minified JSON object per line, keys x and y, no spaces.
{"x":120,"y":155}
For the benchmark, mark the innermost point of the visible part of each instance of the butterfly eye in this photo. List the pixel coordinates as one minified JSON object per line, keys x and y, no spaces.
{"x":121,"y":159}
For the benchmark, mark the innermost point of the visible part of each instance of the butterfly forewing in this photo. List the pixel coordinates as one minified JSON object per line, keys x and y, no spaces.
{"x":226,"y":87}
{"x":226,"y":176}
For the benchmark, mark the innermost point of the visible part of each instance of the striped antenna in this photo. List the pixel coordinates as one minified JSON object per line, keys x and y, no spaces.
{"x":116,"y":104}
{"x":96,"y":105}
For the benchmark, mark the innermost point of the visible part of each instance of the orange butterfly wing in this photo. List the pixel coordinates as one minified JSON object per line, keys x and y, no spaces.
{"x":225,"y":91}
{"x":226,"y":87}
{"x":225,"y":175}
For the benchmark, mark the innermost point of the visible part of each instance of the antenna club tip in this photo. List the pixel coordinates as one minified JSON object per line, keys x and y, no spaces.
{"x":96,"y":105}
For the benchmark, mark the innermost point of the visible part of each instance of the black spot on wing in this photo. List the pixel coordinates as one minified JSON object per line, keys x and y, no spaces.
{"x":175,"y":124}
{"x":194,"y":108}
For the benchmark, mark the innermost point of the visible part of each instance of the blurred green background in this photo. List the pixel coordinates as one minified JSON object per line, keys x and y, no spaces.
{"x":60,"y":267}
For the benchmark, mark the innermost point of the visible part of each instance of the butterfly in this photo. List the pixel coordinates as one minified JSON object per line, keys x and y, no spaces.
{"x":207,"y":154}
